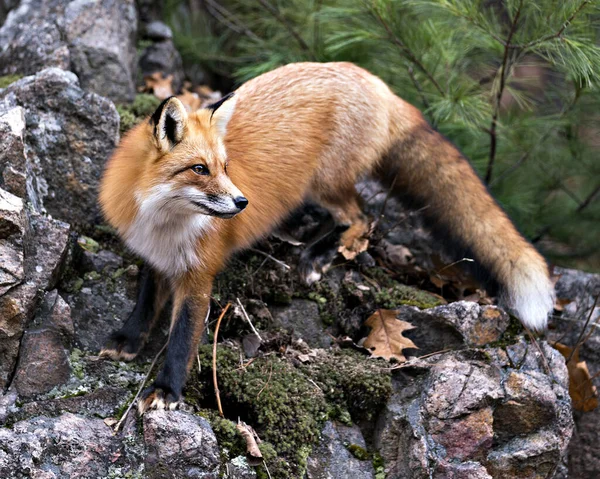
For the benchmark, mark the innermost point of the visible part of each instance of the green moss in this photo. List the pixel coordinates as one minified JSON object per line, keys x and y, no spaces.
{"x":8,"y":79}
{"x":351,"y":382}
{"x":270,"y":394}
{"x":131,"y":114}
{"x":77,"y":364}
{"x":358,"y":452}
{"x":378,"y":465}
{"x":392,"y":294}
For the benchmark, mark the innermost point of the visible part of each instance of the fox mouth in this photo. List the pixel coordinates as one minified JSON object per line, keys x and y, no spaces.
{"x":211,"y":212}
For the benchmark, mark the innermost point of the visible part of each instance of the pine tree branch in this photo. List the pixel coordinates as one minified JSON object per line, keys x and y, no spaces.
{"x":517,"y":164}
{"x":407,"y":52}
{"x":590,"y":198}
{"x":284,"y":21}
{"x":503,"y":77}
{"x":551,"y":36}
{"x":417,"y":85}
{"x":221,"y":14}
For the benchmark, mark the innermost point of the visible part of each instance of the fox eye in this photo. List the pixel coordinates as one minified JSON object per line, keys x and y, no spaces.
{"x":200,"y":169}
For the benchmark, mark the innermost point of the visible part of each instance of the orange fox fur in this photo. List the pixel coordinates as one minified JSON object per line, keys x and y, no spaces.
{"x":303,"y":131}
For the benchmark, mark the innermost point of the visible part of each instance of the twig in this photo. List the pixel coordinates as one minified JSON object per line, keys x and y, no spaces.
{"x":268,"y":381}
{"x":124,"y":416}
{"x":280,"y":263}
{"x":414,"y":360}
{"x":503,"y":76}
{"x":408,"y":53}
{"x":588,"y":200}
{"x":214,"y":359}
{"x":537,"y":346}
{"x":248,"y":319}
{"x":277,"y":14}
{"x":587,"y":321}
{"x":267,"y":469}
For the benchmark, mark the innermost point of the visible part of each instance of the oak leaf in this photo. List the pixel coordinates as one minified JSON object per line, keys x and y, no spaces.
{"x":581,"y":389}
{"x":386,"y":338}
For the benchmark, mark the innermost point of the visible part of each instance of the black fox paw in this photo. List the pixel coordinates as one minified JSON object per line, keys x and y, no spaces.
{"x":120,"y":347}
{"x":155,"y":397}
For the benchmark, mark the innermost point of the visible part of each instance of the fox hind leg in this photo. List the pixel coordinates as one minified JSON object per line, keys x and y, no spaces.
{"x":126,"y":343}
{"x":349,"y":235}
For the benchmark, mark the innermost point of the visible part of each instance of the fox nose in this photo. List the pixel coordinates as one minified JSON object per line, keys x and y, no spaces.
{"x":240,"y":202}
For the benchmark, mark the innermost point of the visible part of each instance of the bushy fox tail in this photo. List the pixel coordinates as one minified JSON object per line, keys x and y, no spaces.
{"x":426,"y":168}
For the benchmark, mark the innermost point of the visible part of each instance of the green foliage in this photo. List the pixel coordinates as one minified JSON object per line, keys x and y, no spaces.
{"x":516,"y":74}
{"x":131,"y":114}
{"x":8,"y":79}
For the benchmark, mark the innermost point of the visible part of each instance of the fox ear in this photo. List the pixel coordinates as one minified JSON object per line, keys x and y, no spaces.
{"x":169,"y":122}
{"x":222,"y":111}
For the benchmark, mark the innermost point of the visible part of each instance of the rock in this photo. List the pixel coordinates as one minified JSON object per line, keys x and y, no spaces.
{"x":96,"y":39}
{"x":162,"y":56}
{"x":43,"y":363}
{"x":43,"y":360}
{"x":69,"y":135}
{"x":454,"y":325}
{"x":13,"y":162}
{"x":17,"y":307}
{"x":302,"y":317}
{"x":66,"y":446}
{"x":46,"y":249}
{"x":158,"y":31}
{"x":579,"y":290}
{"x":332,"y":460}
{"x":102,"y":402}
{"x":102,"y":261}
{"x":100,"y":305}
{"x":477,"y":413}
{"x":238,"y":468}
{"x":7,"y":404}
{"x":12,"y":231}
{"x":179,"y":445}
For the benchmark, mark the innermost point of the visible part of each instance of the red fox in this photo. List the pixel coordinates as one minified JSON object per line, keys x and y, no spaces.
{"x":187,"y":190}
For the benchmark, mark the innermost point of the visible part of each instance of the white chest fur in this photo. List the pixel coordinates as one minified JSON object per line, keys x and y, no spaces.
{"x":165,"y":237}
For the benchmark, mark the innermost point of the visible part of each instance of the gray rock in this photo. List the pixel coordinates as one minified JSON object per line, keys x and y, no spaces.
{"x":179,"y":445}
{"x":302,"y":317}
{"x":158,"y":31}
{"x":162,"y":56}
{"x":66,"y":446}
{"x":332,"y":460}
{"x":12,"y":231}
{"x":476,"y":414}
{"x":581,"y":289}
{"x":69,"y":136}
{"x":238,"y":468}
{"x":13,"y":162}
{"x":102,"y":261}
{"x":7,"y":404}
{"x":94,"y":39}
{"x":101,"y":305}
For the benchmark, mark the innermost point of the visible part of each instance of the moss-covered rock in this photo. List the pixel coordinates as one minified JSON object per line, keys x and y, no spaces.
{"x":351,"y":382}
{"x":270,"y":394}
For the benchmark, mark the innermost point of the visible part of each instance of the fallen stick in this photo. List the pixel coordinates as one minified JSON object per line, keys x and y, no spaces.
{"x":214,"y":359}
{"x":248,"y":319}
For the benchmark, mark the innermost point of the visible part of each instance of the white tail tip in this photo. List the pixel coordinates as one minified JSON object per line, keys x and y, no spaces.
{"x":530,"y":296}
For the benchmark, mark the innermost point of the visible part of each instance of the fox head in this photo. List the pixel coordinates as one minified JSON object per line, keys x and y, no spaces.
{"x":186,"y":169}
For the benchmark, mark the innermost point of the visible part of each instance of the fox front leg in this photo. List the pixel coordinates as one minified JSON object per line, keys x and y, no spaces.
{"x":126,"y":343}
{"x":190,"y":310}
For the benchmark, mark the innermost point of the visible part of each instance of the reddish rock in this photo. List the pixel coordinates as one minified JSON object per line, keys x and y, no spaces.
{"x":43,"y":363}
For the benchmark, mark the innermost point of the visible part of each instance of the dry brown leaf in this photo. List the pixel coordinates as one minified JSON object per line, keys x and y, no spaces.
{"x":386,"y":339}
{"x":352,"y":251}
{"x":581,"y":389}
{"x":253,"y":454}
{"x":560,"y":303}
{"x":161,"y":86}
